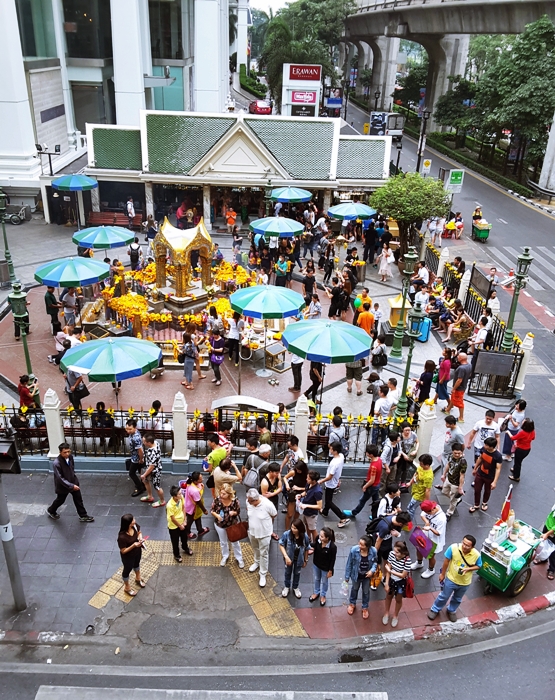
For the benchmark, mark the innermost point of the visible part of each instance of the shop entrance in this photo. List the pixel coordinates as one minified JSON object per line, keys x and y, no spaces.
{"x":114,"y":195}
{"x":168,"y":198}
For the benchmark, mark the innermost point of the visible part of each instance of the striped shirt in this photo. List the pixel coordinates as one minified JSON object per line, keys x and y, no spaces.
{"x":398,"y":565}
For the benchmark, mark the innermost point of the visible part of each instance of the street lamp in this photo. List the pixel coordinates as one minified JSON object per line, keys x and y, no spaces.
{"x":426,"y":114}
{"x":268,"y":196}
{"x":410,"y":259}
{"x":377,"y":96}
{"x":524,"y":261}
{"x":346,"y":84}
{"x":399,"y":149}
{"x":415,"y":322}
{"x":7,"y":254}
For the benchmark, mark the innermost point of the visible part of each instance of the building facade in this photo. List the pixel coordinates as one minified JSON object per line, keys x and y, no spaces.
{"x":66,"y":63}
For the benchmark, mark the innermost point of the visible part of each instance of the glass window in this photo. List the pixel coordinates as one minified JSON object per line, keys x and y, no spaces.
{"x":88,"y":28}
{"x":169,"y":98}
{"x":36,"y":29}
{"x":166,"y":28}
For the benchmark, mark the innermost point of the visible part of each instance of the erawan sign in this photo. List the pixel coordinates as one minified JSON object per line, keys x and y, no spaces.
{"x":304,"y":72}
{"x":301,"y":89}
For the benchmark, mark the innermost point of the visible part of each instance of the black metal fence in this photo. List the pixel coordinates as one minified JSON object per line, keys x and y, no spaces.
{"x":29,"y":430}
{"x":451,"y":279}
{"x":495,"y":374}
{"x":431,"y":258}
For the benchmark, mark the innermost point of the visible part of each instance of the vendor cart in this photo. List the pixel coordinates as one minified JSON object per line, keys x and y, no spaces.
{"x":506,"y":564}
{"x":480,"y":231}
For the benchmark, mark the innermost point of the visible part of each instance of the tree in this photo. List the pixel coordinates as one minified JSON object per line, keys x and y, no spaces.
{"x":232,"y":26}
{"x":409,"y":93}
{"x":484,"y":51}
{"x":414,"y":52}
{"x":323,"y":20}
{"x":455,"y":108}
{"x":260,"y":23}
{"x":408,"y":198}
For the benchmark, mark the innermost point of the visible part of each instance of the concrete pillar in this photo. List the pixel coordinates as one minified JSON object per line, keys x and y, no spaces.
{"x":342,"y":49}
{"x":206,"y":206}
{"x":464,"y":285}
{"x":527,"y":347}
{"x":348,"y":61}
{"x":208,"y":73}
{"x":363,"y":62}
{"x":61,"y":48}
{"x":447,"y":57}
{"x":127,"y":35}
{"x":242,"y":32}
{"x":54,"y":426}
{"x":426,"y":421}
{"x":301,"y":422}
{"x":80,"y":208}
{"x":180,"y":448}
{"x":327,"y":200}
{"x":149,"y":199}
{"x":18,"y":160}
{"x":95,"y":199}
{"x":384,"y":69}
{"x":547,"y":175}
{"x":444,"y":257}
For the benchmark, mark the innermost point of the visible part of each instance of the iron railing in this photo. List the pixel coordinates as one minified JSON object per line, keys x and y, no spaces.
{"x":451,"y":279}
{"x":29,"y":430}
{"x":498,"y":380}
{"x":431,"y":258}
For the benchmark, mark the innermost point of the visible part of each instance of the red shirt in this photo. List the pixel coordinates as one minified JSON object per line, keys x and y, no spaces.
{"x":375,"y":470}
{"x":25,"y":396}
{"x":523,"y":440}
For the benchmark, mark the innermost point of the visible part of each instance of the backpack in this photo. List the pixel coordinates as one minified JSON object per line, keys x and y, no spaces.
{"x":134,"y":250}
{"x":343,"y":440}
{"x":372,"y":527}
{"x":488,"y":342}
{"x":254,"y":474}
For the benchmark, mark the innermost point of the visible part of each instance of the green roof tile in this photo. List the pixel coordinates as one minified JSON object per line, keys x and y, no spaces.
{"x":303,"y":148}
{"x":361,"y":159}
{"x":117,"y":149}
{"x":177,"y":143}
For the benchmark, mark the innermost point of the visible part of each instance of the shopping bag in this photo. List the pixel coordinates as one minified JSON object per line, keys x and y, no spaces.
{"x":424,"y":545}
{"x":543,"y":550}
{"x":344,"y":590}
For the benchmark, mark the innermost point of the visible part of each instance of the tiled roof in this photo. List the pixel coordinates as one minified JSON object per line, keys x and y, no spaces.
{"x":361,"y":159}
{"x":303,"y":148}
{"x":117,"y":149}
{"x":176,"y":143}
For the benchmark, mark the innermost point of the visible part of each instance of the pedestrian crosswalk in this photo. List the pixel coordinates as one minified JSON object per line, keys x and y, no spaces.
{"x":542,"y":270}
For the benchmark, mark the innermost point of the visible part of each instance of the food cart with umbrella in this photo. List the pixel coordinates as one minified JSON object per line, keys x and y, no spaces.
{"x":328,"y":342}
{"x":75,"y":183}
{"x":112,"y":359}
{"x":103,"y":237}
{"x":266,"y":302}
{"x":72,"y":272}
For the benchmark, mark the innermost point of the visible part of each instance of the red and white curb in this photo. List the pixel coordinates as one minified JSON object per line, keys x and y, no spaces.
{"x":442,"y":629}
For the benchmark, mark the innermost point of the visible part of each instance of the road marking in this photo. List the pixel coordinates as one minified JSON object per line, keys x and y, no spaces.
{"x":537,"y":303}
{"x":502,"y":221}
{"x":549,"y":313}
{"x":546,"y":251}
{"x":539,"y":261}
{"x":526,"y":293}
{"x":509,"y":264}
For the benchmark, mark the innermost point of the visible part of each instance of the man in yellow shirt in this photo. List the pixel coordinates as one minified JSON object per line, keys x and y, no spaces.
{"x":175,"y":512}
{"x":461,"y":560}
{"x":421,"y":483}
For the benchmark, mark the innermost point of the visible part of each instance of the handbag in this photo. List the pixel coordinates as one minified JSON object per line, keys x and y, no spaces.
{"x":181,"y":358}
{"x":504,"y":425}
{"x":217,"y":359}
{"x":238,"y":531}
{"x":82,"y":391}
{"x":409,"y":587}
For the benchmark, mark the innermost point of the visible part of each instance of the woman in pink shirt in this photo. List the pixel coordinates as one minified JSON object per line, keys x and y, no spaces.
{"x":444,"y":375}
{"x":523,"y":443}
{"x":194,"y":506}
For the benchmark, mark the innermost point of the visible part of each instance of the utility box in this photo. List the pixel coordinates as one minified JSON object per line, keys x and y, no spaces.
{"x":9,"y":458}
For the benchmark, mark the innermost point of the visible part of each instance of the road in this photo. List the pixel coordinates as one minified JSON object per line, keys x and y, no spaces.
{"x":515,"y":223}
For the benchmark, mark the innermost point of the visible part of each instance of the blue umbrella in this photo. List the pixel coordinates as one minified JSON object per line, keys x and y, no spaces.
{"x":267,"y":301}
{"x":103,"y":237}
{"x":72,"y":272}
{"x":74,"y":183}
{"x":290,"y":194}
{"x":277,"y":226}
{"x":331,"y":342}
{"x":351,"y":210}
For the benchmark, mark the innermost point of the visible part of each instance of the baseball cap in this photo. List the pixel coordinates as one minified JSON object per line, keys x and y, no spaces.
{"x":428,"y":506}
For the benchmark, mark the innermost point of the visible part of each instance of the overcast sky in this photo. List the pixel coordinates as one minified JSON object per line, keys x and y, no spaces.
{"x":267,"y":4}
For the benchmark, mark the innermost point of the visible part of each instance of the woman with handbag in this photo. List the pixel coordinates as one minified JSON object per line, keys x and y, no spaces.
{"x":190,"y":353}
{"x":226,"y":511}
{"x":197,"y":338}
{"x":323,"y":563}
{"x":217,"y":346}
{"x":194,"y":506}
{"x":397,"y":570}
{"x":510,"y":426}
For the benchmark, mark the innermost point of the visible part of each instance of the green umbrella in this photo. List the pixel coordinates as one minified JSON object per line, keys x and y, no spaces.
{"x":103,"y":237}
{"x":276,"y":226}
{"x":74,"y":183}
{"x":72,"y":272}
{"x":290,"y":194}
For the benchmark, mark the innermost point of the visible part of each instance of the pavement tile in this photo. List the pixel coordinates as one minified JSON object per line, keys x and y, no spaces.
{"x":418,"y":618}
{"x":317,"y":623}
{"x":425,"y":600}
{"x":344,"y":629}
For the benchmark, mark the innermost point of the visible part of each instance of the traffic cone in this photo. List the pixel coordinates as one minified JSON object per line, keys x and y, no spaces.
{"x":507,"y":505}
{"x":512,"y":272}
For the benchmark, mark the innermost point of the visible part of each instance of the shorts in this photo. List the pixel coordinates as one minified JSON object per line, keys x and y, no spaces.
{"x":385,"y":549}
{"x":155,"y":478}
{"x":457,"y":398}
{"x":354,"y":373}
{"x":310,"y":521}
{"x":397,"y":587}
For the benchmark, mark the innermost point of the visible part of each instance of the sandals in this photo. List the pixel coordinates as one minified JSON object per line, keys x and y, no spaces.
{"x":312,"y":598}
{"x":550,"y":575}
{"x":484,"y":507}
{"x":513,"y":478}
{"x":159,"y":504}
{"x":473,"y":509}
{"x":365,"y":614}
{"x":351,"y":609}
{"x":140,"y":583}
{"x":147,"y":499}
{"x":131,"y":592}
{"x":203,"y":531}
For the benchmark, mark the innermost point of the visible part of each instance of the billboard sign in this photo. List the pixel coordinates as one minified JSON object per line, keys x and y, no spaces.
{"x":303,"y":111}
{"x":306,"y":97}
{"x":335,"y":99}
{"x":305,"y":72}
{"x":455,"y":181}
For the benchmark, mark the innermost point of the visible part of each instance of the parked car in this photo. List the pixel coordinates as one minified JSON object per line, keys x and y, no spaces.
{"x":260,"y":107}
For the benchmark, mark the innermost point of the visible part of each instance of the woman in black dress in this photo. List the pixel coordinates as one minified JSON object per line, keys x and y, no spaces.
{"x":130,"y":543}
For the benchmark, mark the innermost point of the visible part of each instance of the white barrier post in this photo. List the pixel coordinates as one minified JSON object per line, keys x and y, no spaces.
{"x":180,"y":448}
{"x":302,"y":422}
{"x":54,"y":426}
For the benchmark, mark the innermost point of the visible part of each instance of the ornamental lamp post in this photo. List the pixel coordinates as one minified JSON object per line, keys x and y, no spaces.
{"x":426,"y":114}
{"x":415,"y":322}
{"x":7,"y":254}
{"x":410,"y":259}
{"x":524,"y":261}
{"x":18,"y":303}
{"x":268,"y":196}
{"x":377,"y":96}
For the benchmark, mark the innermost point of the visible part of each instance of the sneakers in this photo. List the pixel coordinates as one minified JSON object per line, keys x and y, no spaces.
{"x":86,"y":519}
{"x":54,"y":516}
{"x":285,"y":593}
{"x":342,"y":523}
{"x":241,"y":564}
{"x":428,"y":573}
{"x":394,"y":622}
{"x":432,"y":614}
{"x":385,"y":619}
{"x":452,"y":616}
{"x":50,"y":359}
{"x":297,"y":592}
{"x":223,"y":561}
{"x":253,"y":567}
{"x":349,"y":513}
{"x":416,"y":565}
{"x":262,"y":580}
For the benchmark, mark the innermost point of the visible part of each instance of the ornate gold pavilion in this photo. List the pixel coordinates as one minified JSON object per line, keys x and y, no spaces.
{"x":179,"y":243}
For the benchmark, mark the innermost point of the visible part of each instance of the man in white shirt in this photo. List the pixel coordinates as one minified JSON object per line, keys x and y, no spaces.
{"x":483,"y":429}
{"x":422,"y":277}
{"x":261,"y":514}
{"x":73,"y":339}
{"x":331,"y":481}
{"x":277,"y":208}
{"x":130,"y":207}
{"x":478,"y":339}
{"x":422,"y":296}
{"x":382,"y":408}
{"x":322,"y":225}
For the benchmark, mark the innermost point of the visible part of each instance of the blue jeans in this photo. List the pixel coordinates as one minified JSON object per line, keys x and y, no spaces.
{"x":355,"y":585}
{"x":188,"y":368}
{"x":449,"y":588}
{"x":412,"y":506}
{"x":295,"y":570}
{"x":321,"y":581}
{"x":372,"y":492}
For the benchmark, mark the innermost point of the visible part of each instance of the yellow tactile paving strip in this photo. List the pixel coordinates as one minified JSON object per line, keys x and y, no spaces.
{"x":274,"y":613}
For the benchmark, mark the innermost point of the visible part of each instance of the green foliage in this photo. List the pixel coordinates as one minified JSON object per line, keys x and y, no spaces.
{"x":260,"y":23}
{"x":365,"y":78}
{"x":415,"y":53}
{"x":410,"y":197}
{"x":484,"y":51}
{"x":233,"y":62}
{"x":409,"y":94}
{"x":322,"y":20}
{"x":250,"y":84}
{"x":450,"y":109}
{"x":232,"y":25}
